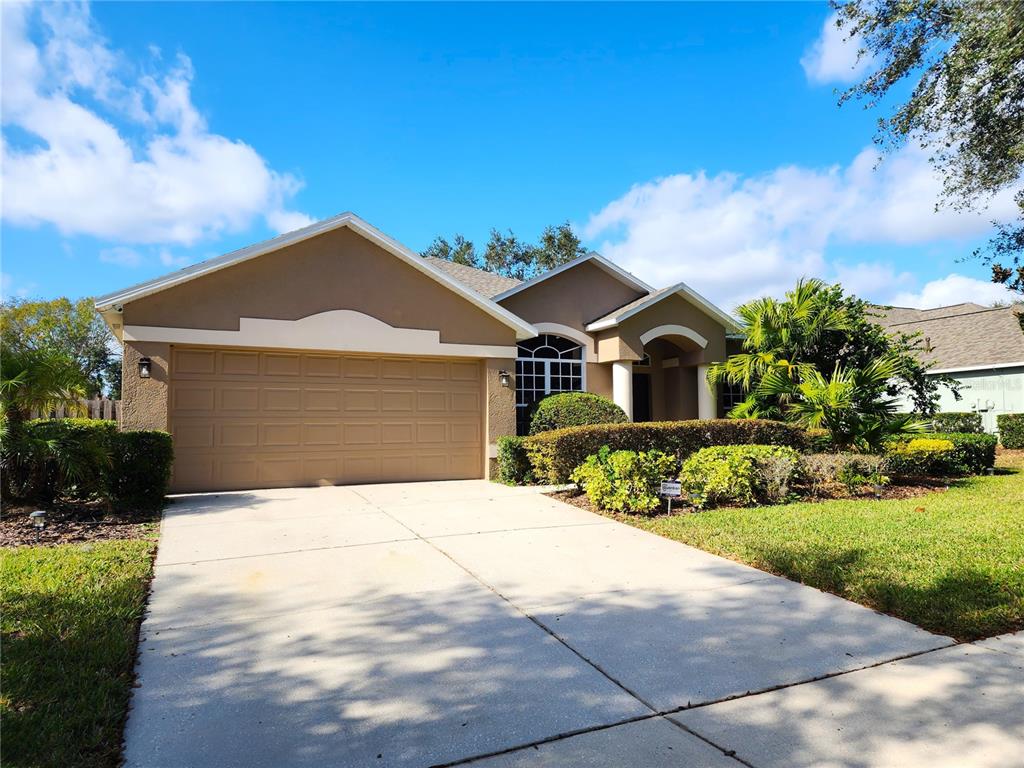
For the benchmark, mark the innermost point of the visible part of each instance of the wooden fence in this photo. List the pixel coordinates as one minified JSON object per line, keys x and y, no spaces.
{"x":97,"y":408}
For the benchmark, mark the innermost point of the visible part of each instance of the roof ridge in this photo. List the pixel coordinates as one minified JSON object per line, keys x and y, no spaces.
{"x":947,"y":317}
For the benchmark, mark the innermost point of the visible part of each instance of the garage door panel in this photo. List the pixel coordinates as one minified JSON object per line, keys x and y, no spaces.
{"x":322,"y":399}
{"x":281,"y":399}
{"x":431,"y":432}
{"x":193,"y":397}
{"x":327,"y":434}
{"x":239,"y":434}
{"x":201,"y":362}
{"x":360,"y":434}
{"x":360,"y":368}
{"x":465,"y":432}
{"x":281,"y":435}
{"x":257,"y":419}
{"x":235,"y":398}
{"x":240,"y":363}
{"x":465,"y":402}
{"x":322,"y":366}
{"x":397,"y":433}
{"x":431,"y":400}
{"x":361,"y":400}
{"x":277,"y":364}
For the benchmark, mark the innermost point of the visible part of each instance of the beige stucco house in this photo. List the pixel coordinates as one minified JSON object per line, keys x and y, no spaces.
{"x":334,"y":354}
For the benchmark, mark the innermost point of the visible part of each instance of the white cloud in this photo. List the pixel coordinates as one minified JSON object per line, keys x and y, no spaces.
{"x":734,"y":237}
{"x":954,"y":289}
{"x":122,"y":256}
{"x":168,"y":259}
{"x":116,"y":154}
{"x":832,"y":58}
{"x":9,"y":288}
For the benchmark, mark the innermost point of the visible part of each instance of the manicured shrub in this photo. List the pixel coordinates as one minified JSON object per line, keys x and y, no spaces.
{"x":821,"y":471}
{"x":1011,"y":429}
{"x":514,"y":466}
{"x":970,"y":454}
{"x":624,"y":481}
{"x":956,"y":421}
{"x":54,"y":458}
{"x":740,"y":474}
{"x":921,"y":456}
{"x":140,"y":470}
{"x":574,"y":409}
{"x":554,"y":455}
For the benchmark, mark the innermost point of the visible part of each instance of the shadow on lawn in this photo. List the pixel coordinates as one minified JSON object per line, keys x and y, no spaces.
{"x":967,"y":604}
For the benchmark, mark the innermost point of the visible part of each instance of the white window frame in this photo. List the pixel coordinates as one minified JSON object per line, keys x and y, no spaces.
{"x":547,"y":361}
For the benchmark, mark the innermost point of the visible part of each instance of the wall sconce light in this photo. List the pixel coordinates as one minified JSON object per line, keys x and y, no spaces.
{"x":505,"y":378}
{"x":145,"y":367}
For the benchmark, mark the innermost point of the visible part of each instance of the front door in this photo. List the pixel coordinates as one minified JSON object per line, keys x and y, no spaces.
{"x":641,"y":397}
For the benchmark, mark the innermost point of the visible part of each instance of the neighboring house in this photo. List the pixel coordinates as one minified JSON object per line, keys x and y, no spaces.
{"x":334,"y":354}
{"x":981,"y":347}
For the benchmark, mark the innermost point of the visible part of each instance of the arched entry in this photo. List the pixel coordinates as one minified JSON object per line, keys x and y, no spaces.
{"x":668,"y":381}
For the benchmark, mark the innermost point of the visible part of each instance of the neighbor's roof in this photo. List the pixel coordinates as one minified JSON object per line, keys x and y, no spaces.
{"x":962,"y":337}
{"x":612,"y":319}
{"x":113,"y":300}
{"x":483,"y":282}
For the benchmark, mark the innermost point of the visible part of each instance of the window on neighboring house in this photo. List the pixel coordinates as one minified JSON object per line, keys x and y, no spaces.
{"x":545,"y":365}
{"x":729,"y":395}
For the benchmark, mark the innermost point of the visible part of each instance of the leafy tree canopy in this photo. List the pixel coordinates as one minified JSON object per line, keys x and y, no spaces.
{"x":820,"y":348}
{"x":964,"y":60}
{"x":65,"y":327}
{"x":507,"y":255}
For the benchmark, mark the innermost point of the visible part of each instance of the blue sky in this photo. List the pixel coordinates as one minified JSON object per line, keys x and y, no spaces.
{"x":697,"y":142}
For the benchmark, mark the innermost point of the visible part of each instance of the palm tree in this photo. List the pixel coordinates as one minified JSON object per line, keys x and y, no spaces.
{"x":777,"y":338}
{"x":839,"y":403}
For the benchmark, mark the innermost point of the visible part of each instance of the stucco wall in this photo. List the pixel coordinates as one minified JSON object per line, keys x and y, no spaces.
{"x":574,"y":297}
{"x":674,"y":310}
{"x":336,"y":270}
{"x":599,"y":379}
{"x":144,"y":401}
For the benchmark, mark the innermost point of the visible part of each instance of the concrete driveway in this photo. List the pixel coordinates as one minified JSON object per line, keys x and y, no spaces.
{"x":438,"y":623}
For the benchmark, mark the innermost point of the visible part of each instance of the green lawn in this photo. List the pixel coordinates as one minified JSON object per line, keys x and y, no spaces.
{"x":69,"y":620}
{"x":951,"y":562}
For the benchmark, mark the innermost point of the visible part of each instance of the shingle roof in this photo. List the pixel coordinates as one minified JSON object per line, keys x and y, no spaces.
{"x":962,"y":335}
{"x":483,"y":282}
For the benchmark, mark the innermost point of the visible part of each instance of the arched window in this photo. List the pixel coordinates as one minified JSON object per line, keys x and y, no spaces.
{"x":545,"y":365}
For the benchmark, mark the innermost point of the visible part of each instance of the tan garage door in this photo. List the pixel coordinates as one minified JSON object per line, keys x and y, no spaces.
{"x":263,"y":419}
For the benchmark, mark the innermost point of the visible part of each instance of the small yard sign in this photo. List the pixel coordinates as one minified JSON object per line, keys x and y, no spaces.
{"x":671,"y":488}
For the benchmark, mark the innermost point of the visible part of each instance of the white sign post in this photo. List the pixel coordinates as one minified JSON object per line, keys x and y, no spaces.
{"x":671,"y":489}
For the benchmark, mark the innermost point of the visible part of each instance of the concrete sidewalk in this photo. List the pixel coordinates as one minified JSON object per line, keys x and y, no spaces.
{"x":432,"y":623}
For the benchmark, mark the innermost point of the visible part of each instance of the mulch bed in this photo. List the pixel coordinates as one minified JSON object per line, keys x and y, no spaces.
{"x":906,"y":490}
{"x":71,"y":524}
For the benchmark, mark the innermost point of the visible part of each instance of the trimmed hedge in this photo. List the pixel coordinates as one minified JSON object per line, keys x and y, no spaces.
{"x":140,"y":471}
{"x":1011,"y":429}
{"x":574,"y":409}
{"x":82,"y":459}
{"x":513,"y":463}
{"x":554,"y":455}
{"x":971,"y":454}
{"x":957,"y":421}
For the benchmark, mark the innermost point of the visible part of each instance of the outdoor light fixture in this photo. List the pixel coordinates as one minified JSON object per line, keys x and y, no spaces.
{"x":145,"y":366}
{"x":505,"y":378}
{"x":38,"y":518}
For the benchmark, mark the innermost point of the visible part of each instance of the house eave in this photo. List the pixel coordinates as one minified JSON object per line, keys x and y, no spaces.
{"x":595,"y":258}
